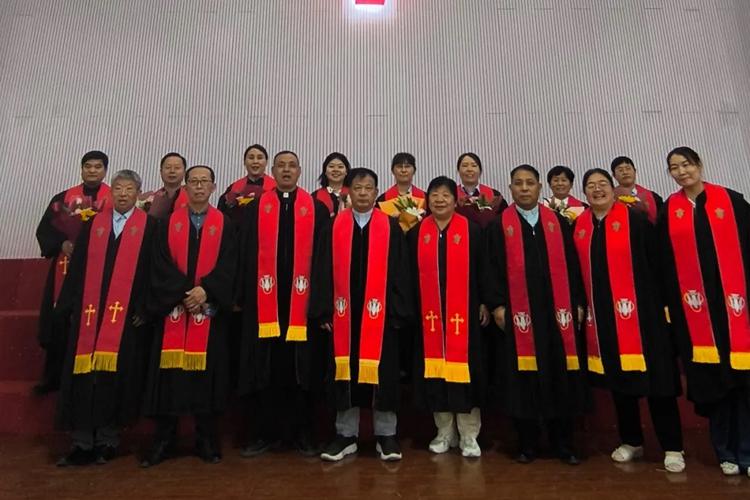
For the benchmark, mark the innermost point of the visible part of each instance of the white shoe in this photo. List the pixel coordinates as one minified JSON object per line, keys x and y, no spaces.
{"x":626,"y":453}
{"x":730,"y":469}
{"x":442,"y":444}
{"x":674,"y":461}
{"x":470,"y":448}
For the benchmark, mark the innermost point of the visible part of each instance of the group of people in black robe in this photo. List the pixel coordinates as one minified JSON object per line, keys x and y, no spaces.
{"x":159,"y":304}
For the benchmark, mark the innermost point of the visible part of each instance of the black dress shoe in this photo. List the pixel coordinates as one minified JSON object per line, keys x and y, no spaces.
{"x":526,"y":457}
{"x":105,"y":454}
{"x":77,"y":456}
{"x":305,"y":446}
{"x":257,"y":447}
{"x":207,"y":451}
{"x":569,"y":458}
{"x":161,"y":451}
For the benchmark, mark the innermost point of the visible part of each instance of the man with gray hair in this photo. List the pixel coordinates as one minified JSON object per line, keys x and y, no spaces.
{"x":103,"y":296}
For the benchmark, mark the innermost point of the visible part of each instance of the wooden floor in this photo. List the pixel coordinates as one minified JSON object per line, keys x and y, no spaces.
{"x":28,"y":471}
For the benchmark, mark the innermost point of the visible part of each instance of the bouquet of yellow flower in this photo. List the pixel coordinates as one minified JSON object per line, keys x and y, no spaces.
{"x":68,"y":217}
{"x":409,"y":210}
{"x":626,"y":196}
{"x":570,"y":213}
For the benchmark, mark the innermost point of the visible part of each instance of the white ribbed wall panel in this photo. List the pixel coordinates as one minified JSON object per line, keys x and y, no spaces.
{"x":575,"y":82}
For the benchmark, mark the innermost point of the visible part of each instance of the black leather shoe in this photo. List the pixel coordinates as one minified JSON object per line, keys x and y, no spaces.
{"x":570,"y":459}
{"x":526,"y":457}
{"x":257,"y":447}
{"x":159,"y":452}
{"x":207,"y":452}
{"x":305,"y":446}
{"x":105,"y":454}
{"x":77,"y":456}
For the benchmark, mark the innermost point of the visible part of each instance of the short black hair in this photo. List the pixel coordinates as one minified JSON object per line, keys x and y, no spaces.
{"x":404,"y":159}
{"x":210,"y":170}
{"x":323,"y":180}
{"x":173,"y":155}
{"x":285,"y":152}
{"x":473,"y":156}
{"x":96,"y":155}
{"x":560,"y":170}
{"x":688,"y":153}
{"x":259,"y":148}
{"x":620,"y":160}
{"x":443,"y":181}
{"x":525,"y":168}
{"x":358,"y":173}
{"x":597,"y":170}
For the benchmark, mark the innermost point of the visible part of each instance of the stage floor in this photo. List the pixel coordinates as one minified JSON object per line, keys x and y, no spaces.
{"x":28,"y":471}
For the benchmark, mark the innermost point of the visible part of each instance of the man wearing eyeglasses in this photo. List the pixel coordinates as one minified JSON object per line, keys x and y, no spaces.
{"x":192,"y":284}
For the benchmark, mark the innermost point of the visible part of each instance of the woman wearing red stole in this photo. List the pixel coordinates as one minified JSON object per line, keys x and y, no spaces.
{"x":332,"y":192}
{"x":536,"y":296}
{"x":446,"y":249}
{"x":628,"y":345}
{"x":243,"y":191}
{"x":560,"y":180}
{"x":705,"y":243}
{"x":403,"y":168}
{"x":479,"y":202}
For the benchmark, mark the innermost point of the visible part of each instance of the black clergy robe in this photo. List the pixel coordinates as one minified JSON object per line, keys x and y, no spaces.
{"x":706,"y":383}
{"x":53,"y":329}
{"x":661,"y":378}
{"x":273,"y":362}
{"x":97,"y":399}
{"x":552,"y":391}
{"x":175,"y":391}
{"x":335,"y":199}
{"x":437,"y":395}
{"x":348,"y":394}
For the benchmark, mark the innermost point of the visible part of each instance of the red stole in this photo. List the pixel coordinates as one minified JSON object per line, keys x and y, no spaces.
{"x":238,"y":186}
{"x":484,"y":191}
{"x":721,"y":218}
{"x":574,"y":202}
{"x":393,"y":193}
{"x":99,"y":352}
{"x":446,"y":343}
{"x":185,"y":338}
{"x":374,"y":308}
{"x":181,"y":201}
{"x":523,"y":327}
{"x":268,"y":236}
{"x":622,"y":282}
{"x":324,"y":197}
{"x":62,"y":263}
{"x":647,"y":197}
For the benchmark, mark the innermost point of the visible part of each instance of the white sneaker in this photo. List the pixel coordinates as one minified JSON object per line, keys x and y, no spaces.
{"x":730,"y":469}
{"x":442,"y":444}
{"x":674,"y":461}
{"x":626,"y":453}
{"x":470,"y":448}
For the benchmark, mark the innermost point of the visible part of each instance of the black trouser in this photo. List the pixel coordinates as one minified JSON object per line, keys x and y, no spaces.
{"x":54,"y":357}
{"x":206,"y":428}
{"x":665,"y":416}
{"x":283,"y":413}
{"x":729,"y":423}
{"x":559,"y":433}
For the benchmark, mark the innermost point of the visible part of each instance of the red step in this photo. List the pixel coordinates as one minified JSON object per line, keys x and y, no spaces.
{"x":21,"y":358}
{"x":23,"y":413}
{"x":23,"y":281}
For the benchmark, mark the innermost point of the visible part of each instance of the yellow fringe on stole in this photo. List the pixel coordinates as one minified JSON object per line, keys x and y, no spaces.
{"x":343,"y":370}
{"x":296,"y":333}
{"x":434,"y":368}
{"x":269,"y":330}
{"x":368,"y":371}
{"x":740,"y":360}
{"x":171,"y":358}
{"x":707,"y":354}
{"x":457,"y":372}
{"x":105,"y":361}
{"x":595,"y":365}
{"x":194,"y":361}
{"x":632,"y":362}
{"x":527,"y":364}
{"x":572,"y":363}
{"x":82,"y":364}
{"x":666,"y":315}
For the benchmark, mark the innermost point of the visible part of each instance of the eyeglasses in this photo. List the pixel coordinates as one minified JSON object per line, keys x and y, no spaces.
{"x":199,"y":182}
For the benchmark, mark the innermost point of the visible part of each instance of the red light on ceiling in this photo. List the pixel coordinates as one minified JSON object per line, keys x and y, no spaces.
{"x":369,"y":2}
